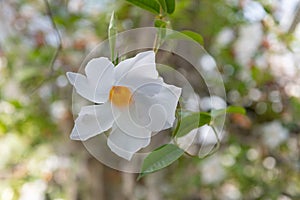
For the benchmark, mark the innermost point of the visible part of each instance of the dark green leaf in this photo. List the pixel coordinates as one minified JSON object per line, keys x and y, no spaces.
{"x":191,"y":122}
{"x":229,"y":109}
{"x":160,"y":158}
{"x":162,"y":4}
{"x":170,"y":6}
{"x":150,"y":5}
{"x":167,"y":5}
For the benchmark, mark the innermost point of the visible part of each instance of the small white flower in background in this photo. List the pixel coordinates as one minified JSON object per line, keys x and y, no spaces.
{"x":212,"y":170}
{"x":273,"y":134}
{"x":33,"y":190}
{"x":134,"y":102}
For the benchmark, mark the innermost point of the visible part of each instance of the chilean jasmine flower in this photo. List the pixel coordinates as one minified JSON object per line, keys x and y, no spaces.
{"x":130,"y":99}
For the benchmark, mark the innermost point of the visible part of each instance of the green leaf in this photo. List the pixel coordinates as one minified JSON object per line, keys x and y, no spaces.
{"x":195,"y":36}
{"x":160,"y":23}
{"x":191,"y":122}
{"x":160,"y":158}
{"x":236,"y":109}
{"x":170,"y":6}
{"x":167,"y":5}
{"x":112,"y":34}
{"x":186,"y":35}
{"x":259,"y":76}
{"x":229,"y":109}
{"x":162,"y":4}
{"x":150,"y":5}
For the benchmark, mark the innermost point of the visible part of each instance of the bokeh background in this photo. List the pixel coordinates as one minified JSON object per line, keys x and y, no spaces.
{"x":256,"y":46}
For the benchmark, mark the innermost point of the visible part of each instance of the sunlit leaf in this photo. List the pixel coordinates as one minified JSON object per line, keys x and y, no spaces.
{"x":229,"y":109}
{"x":236,"y":109}
{"x":160,"y":158}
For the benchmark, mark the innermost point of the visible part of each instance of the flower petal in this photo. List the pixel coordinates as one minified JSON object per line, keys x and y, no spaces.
{"x":137,"y":71}
{"x":158,"y":116}
{"x":140,"y":84}
{"x":96,"y":85}
{"x":157,"y":112}
{"x":81,"y":85}
{"x":140,"y":109}
{"x":141,"y":59}
{"x":91,"y":121}
{"x":125,"y":145}
{"x":100,"y":72}
{"x":147,"y":112}
{"x":169,"y":97}
{"x":127,"y":122}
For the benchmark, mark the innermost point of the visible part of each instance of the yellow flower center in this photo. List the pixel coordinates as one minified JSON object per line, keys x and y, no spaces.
{"x":120,"y":96}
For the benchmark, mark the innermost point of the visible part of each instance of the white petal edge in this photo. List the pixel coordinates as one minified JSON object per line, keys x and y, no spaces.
{"x":100,"y":73}
{"x":143,"y":64}
{"x":125,"y":145}
{"x":81,"y":85}
{"x":96,"y":85}
{"x":148,"y":112}
{"x":169,"y":97}
{"x":160,"y":108}
{"x":91,"y":121}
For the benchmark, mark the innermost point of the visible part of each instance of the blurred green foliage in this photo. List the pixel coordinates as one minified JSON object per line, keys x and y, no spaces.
{"x":35,"y":101}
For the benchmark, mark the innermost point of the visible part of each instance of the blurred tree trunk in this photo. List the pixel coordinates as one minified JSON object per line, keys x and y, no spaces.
{"x":153,"y":183}
{"x":128,"y":186}
{"x":87,"y":183}
{"x":95,"y":180}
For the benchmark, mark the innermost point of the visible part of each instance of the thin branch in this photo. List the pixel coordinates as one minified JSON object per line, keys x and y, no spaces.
{"x":58,"y":49}
{"x":296,"y":19}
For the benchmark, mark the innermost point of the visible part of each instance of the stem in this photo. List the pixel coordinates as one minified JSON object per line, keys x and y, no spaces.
{"x":216,"y":134}
{"x":112,"y":36}
{"x":177,"y":125}
{"x":155,"y":48}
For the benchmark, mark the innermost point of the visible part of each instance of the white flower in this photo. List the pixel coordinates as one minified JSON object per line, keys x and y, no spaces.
{"x":33,"y":190}
{"x":133,"y":100}
{"x":212,"y":170}
{"x":274,"y":134}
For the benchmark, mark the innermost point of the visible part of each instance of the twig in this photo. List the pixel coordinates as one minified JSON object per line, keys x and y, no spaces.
{"x":58,"y":49}
{"x":296,"y":19}
{"x":50,"y":14}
